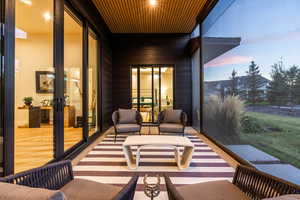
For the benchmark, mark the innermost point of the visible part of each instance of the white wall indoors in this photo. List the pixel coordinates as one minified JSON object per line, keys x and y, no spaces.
{"x":35,"y":53}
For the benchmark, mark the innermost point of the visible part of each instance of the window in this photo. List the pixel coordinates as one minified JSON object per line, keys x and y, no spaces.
{"x":73,"y":110}
{"x":196,"y":32}
{"x":252,"y":82}
{"x":34,"y":84}
{"x":196,"y":89}
{"x":152,"y":90}
{"x":93,"y":84}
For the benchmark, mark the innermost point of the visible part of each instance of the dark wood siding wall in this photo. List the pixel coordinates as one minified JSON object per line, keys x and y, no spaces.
{"x":107,"y":82}
{"x":90,"y":12}
{"x":129,"y":49}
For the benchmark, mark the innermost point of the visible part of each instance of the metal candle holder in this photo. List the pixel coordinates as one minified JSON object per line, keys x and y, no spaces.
{"x":151,"y":190}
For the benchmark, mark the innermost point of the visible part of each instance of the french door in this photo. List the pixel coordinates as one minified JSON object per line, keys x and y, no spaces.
{"x":152,"y":90}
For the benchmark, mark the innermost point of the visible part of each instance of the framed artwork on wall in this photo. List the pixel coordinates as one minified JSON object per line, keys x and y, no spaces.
{"x":45,"y":82}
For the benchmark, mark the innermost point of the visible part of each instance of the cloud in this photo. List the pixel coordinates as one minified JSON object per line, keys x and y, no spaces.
{"x":228,"y":60}
{"x":291,"y":35}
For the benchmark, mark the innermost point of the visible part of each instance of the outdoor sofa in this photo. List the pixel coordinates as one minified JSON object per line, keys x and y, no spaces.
{"x":56,"y":182}
{"x":127,"y":121}
{"x":172,"y":121}
{"x":248,"y":183}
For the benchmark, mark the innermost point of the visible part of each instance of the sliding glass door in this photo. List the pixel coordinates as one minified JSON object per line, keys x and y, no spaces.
{"x":34,"y":84}
{"x":151,"y":90}
{"x":73,"y":84}
{"x":93,"y":125}
{"x":55,"y":73}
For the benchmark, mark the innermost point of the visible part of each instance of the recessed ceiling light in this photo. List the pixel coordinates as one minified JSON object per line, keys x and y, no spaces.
{"x":27,"y":2}
{"x":153,"y":2}
{"x":47,"y":16}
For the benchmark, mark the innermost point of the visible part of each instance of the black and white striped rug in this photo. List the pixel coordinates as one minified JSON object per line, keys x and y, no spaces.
{"x":106,"y":164}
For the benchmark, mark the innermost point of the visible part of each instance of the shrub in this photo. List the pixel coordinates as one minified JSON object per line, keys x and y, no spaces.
{"x":222,"y":117}
{"x":251,"y":125}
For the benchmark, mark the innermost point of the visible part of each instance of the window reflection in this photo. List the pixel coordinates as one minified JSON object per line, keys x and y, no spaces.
{"x":93,"y":83}
{"x":73,"y":116}
{"x":252,"y":81}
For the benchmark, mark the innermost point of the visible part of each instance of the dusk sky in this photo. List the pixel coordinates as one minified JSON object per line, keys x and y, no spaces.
{"x":269,"y":30}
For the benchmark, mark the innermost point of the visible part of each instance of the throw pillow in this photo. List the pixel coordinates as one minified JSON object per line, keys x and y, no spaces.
{"x":127,"y":116}
{"x":172,"y":116}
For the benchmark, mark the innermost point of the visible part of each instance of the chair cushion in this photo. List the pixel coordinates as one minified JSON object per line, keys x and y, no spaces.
{"x":213,"y":190}
{"x":171,"y":128}
{"x":80,"y":189}
{"x":127,"y":116}
{"x":12,"y":192}
{"x":172,"y":116}
{"x":125,"y":128}
{"x":286,"y":197}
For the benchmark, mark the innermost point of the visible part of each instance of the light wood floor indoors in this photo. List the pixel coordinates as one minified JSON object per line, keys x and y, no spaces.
{"x":34,"y":146}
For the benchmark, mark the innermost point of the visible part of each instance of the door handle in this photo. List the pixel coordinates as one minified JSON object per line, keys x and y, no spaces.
{"x":55,"y":104}
{"x":62,"y":104}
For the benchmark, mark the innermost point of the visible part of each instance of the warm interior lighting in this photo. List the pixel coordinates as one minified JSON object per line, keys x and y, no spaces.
{"x":149,"y":69}
{"x":20,"y":34}
{"x":27,"y":2}
{"x":153,"y":2}
{"x":47,"y":16}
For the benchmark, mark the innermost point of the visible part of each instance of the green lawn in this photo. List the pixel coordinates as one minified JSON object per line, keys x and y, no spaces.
{"x":284,"y":144}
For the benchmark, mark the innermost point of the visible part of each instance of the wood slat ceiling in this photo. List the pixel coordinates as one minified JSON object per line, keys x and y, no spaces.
{"x":137,"y":16}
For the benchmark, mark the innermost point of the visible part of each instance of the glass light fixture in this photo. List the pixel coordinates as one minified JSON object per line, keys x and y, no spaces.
{"x":153,"y":2}
{"x":27,"y":2}
{"x":47,"y":16}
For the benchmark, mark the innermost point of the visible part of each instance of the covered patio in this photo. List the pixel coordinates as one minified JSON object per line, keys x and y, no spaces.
{"x":149,"y":99}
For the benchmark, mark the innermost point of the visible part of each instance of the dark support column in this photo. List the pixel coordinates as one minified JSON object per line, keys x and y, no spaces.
{"x":8,"y":80}
{"x":58,"y":137}
{"x":152,"y":93}
{"x":138,"y":88}
{"x":201,"y":81}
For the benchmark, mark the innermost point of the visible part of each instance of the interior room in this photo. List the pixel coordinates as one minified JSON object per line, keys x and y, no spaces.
{"x":149,"y":99}
{"x":152,"y":90}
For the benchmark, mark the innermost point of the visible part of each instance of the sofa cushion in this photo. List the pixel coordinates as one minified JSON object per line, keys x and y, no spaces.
{"x":172,"y":116}
{"x":213,"y":190}
{"x":80,"y":189}
{"x":286,"y":197}
{"x":127,"y":116}
{"x":12,"y":192}
{"x":125,"y":128}
{"x":171,"y":128}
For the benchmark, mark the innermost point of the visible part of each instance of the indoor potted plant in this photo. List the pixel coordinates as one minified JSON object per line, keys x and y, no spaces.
{"x":28,"y":101}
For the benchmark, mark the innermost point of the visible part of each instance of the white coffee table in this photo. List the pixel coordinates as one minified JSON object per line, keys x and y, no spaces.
{"x":183,"y":161}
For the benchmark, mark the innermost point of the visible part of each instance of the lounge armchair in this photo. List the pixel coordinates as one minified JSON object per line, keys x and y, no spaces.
{"x":248,"y":183}
{"x":56,"y":181}
{"x":172,"y":121}
{"x":127,"y":121}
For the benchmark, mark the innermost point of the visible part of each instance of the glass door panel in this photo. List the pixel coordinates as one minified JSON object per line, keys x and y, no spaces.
{"x":146,"y":93}
{"x":151,"y":90}
{"x":34,"y":83}
{"x":73,"y":48}
{"x":93,"y":84}
{"x":134,"y":88}
{"x":156,"y":93}
{"x":166,"y":88}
